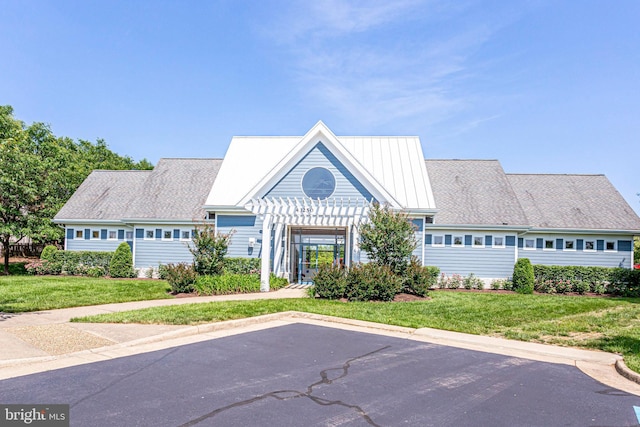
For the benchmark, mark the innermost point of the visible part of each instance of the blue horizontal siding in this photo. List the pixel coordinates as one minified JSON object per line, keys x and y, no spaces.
{"x":151,"y":253}
{"x":319,"y":156}
{"x":243,"y":228}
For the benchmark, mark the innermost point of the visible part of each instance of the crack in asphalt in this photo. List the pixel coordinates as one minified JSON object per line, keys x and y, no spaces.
{"x":124,"y":377}
{"x":284,"y":395}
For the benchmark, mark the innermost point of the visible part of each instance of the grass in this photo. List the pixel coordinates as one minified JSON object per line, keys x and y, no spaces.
{"x":609,"y":324}
{"x":34,"y":293}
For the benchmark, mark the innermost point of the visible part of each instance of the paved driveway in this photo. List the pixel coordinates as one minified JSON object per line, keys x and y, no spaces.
{"x":307,"y":375}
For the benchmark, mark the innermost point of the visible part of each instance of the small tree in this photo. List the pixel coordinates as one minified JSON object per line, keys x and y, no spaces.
{"x":523,"y":278}
{"x":209,"y":249}
{"x":389,"y":238}
{"x":121,"y":264}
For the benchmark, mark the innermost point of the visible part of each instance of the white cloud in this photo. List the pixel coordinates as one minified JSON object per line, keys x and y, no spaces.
{"x":376,"y":63}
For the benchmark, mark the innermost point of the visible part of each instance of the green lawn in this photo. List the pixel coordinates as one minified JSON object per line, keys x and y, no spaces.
{"x":609,"y":324}
{"x":33,"y":293}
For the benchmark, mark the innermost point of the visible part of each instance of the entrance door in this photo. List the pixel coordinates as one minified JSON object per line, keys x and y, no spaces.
{"x":312,"y":248}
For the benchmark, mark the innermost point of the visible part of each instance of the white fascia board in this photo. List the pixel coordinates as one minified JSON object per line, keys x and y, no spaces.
{"x":228,"y":210}
{"x":139,"y":221}
{"x":471,"y":227}
{"x":63,"y":221}
{"x":320,"y":132}
{"x":582,"y":231}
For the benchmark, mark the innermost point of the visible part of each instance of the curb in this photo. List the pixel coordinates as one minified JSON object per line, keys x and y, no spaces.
{"x":622,"y":369}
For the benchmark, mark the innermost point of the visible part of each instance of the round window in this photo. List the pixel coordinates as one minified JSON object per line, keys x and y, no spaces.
{"x":318,"y":183}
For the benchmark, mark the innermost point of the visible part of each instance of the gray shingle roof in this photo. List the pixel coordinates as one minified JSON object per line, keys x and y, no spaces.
{"x":573,"y":201}
{"x":104,"y":195}
{"x":473,"y":192}
{"x":176,"y":189}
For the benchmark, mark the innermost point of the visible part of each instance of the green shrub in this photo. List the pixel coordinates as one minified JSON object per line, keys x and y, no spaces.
{"x":497,"y":284}
{"x":330,"y":281}
{"x":97,"y":271}
{"x":48,"y":252}
{"x":389,"y":238}
{"x":181,"y":277}
{"x":453,"y":282}
{"x":121,"y":264}
{"x":367,"y":282}
{"x":225,"y":284}
{"x":419,"y":279}
{"x":75,"y":262}
{"x":242,"y":265}
{"x":523,"y":279}
{"x":209,"y":249}
{"x":276,"y":282}
{"x":581,"y":287}
{"x":625,"y":282}
{"x":35,"y":267}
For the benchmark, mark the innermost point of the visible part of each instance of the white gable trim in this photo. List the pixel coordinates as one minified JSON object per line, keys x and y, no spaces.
{"x":320,"y":133}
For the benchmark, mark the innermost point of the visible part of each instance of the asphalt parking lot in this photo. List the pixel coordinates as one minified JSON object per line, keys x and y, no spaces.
{"x":308,"y":375}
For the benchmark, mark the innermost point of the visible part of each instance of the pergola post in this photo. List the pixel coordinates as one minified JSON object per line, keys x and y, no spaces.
{"x":265,"y":267}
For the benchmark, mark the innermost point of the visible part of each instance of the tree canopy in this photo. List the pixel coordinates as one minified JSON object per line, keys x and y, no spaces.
{"x":39,"y":172}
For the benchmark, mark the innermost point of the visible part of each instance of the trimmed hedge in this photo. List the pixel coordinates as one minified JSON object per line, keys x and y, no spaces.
{"x":242,"y":265}
{"x":229,"y":283}
{"x":75,"y":263}
{"x":561,"y":279}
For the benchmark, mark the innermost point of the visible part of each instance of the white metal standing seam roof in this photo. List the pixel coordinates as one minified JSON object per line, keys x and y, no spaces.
{"x":396,"y":163}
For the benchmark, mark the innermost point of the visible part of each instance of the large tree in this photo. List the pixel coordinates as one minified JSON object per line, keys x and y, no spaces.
{"x":38,"y":174}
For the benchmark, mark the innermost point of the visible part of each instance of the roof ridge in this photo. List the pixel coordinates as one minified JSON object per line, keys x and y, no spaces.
{"x":556,"y":174}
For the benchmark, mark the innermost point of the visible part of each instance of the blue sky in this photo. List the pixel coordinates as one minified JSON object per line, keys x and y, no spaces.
{"x":542,"y":86}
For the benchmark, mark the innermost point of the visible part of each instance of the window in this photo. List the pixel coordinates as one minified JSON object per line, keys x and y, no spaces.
{"x":438,"y":240}
{"x":529,"y":243}
{"x":185,"y":235}
{"x":569,"y":245}
{"x":318,"y":183}
{"x":458,"y":241}
{"x":478,"y":241}
{"x":166,"y":235}
{"x":498,"y":241}
{"x":79,"y":234}
{"x":589,"y":245}
{"x":95,"y":234}
{"x":610,"y":245}
{"x":129,"y":235}
{"x":549,"y":244}
{"x":113,"y":235}
{"x":148,"y":234}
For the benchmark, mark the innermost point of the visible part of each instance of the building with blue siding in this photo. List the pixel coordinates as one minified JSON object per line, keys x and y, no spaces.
{"x":297,"y":202}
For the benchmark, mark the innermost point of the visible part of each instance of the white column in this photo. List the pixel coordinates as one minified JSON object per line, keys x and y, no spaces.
{"x":265,"y":268}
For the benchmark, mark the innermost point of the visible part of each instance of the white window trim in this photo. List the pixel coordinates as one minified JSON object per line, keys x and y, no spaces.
{"x":81,"y":234}
{"x":553,"y":244}
{"x":95,"y":238}
{"x":524,"y":245}
{"x":564,"y":248}
{"x":595,"y":246}
{"x":185,"y":239}
{"x":473,"y":241}
{"x":615,"y":246}
{"x":437,"y":245}
{"x":495,"y":245}
{"x":126,"y":233}
{"x":167,"y":239}
{"x":153,"y":234}
{"x":453,"y":241}
{"x":109,"y":235}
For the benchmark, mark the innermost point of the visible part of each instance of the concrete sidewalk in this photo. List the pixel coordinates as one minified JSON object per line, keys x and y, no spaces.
{"x":41,"y":341}
{"x":50,"y":333}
